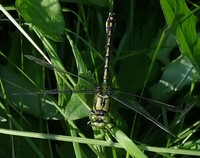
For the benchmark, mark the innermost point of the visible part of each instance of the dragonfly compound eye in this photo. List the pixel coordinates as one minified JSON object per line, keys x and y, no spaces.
{"x":106,"y":119}
{"x":93,"y":118}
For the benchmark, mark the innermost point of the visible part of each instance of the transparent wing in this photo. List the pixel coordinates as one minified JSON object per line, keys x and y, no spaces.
{"x":130,"y":103}
{"x":49,"y":66}
{"x":155,"y":102}
{"x":140,"y":110}
{"x":56,"y":91}
{"x":45,"y":64}
{"x":74,"y":105}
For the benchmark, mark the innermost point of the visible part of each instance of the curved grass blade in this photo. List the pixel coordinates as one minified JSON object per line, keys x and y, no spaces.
{"x":127,"y":143}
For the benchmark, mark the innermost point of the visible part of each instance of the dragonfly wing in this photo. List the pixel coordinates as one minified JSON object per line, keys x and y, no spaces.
{"x":155,"y":102}
{"x":140,"y":110}
{"x":76,"y":107}
{"x":51,"y":67}
{"x":54,"y":91}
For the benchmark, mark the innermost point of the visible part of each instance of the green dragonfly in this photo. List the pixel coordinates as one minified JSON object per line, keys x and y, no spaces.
{"x":99,"y":115}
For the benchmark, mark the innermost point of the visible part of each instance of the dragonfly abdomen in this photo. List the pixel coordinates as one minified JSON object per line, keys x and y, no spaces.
{"x":110,"y":26}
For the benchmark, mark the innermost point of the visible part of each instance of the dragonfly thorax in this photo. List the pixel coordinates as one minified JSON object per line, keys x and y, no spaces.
{"x":102,"y":100}
{"x":99,"y":115}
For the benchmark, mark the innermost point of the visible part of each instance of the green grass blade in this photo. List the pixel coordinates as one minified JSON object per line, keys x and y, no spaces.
{"x":153,"y":60}
{"x":127,"y":144}
{"x":118,"y":135}
{"x":13,"y":123}
{"x":23,"y":32}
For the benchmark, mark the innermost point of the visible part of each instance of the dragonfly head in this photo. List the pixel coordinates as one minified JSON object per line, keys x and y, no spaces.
{"x":100,"y":120}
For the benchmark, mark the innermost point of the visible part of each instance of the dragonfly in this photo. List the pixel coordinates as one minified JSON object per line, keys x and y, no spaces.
{"x":100,"y":114}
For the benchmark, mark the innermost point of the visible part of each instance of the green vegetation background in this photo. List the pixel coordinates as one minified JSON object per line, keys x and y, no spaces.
{"x":155,"y":54}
